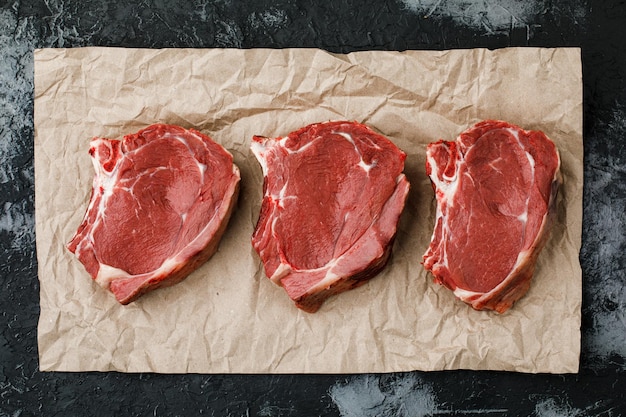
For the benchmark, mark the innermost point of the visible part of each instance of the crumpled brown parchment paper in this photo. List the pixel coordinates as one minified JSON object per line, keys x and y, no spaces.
{"x":227,"y":317}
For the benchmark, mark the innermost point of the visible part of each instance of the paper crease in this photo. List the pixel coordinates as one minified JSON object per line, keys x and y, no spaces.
{"x":227,"y":316}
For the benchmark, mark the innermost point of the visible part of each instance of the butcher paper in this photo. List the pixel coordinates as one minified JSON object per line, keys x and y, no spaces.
{"x":227,"y":317}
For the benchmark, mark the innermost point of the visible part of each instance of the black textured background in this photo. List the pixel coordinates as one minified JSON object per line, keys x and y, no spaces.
{"x":598,"y":27}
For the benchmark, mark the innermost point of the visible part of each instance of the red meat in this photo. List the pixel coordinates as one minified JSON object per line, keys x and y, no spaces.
{"x":496,"y":188}
{"x":333,"y":195}
{"x":160,"y":202}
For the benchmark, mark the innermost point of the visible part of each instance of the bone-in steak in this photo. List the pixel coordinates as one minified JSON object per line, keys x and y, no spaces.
{"x":160,"y":202}
{"x":333,"y":195}
{"x":495,"y":188}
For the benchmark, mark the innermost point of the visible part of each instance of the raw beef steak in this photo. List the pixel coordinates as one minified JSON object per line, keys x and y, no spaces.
{"x":496,"y":189}
{"x":333,"y":195}
{"x":160,"y":202}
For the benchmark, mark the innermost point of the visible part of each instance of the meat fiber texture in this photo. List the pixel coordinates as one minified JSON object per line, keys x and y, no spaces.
{"x":496,"y":188}
{"x":333,"y":194}
{"x":160,"y":202}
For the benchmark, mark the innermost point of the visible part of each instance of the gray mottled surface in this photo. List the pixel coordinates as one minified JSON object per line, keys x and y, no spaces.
{"x":598,"y":27}
{"x":605,"y":241}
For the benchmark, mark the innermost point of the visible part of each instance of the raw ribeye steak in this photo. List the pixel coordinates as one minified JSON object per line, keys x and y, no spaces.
{"x":333,"y":193}
{"x":160,"y":202}
{"x":495,"y":188}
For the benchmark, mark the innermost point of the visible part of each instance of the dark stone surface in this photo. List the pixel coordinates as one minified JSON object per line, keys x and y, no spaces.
{"x":598,"y":27}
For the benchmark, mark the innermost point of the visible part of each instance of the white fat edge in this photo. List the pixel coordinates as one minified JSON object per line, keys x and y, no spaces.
{"x":366,"y":167}
{"x":445,"y":232}
{"x":281,"y":272}
{"x":558,"y":163}
{"x":202,"y":140}
{"x":347,"y":136}
{"x":438,"y":215}
{"x":529,"y":157}
{"x":523,"y":255}
{"x":492,"y":164}
{"x":371,"y":142}
{"x":283,"y":142}
{"x":201,"y":167}
{"x":281,"y":194}
{"x":106,"y":181}
{"x":448,"y":189}
{"x":103,"y":178}
{"x":283,"y":269}
{"x":466,"y":294}
{"x":150,"y":173}
{"x":107,"y":273}
{"x":329,"y":279}
{"x":521,"y":258}
{"x":531,"y":160}
{"x":523,"y":218}
{"x":280,"y":197}
{"x":449,"y":186}
{"x":445,"y":239}
{"x":259,"y":150}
